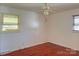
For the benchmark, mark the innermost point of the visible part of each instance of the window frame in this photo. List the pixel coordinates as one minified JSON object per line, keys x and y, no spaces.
{"x":74,"y":23}
{"x":11,"y":30}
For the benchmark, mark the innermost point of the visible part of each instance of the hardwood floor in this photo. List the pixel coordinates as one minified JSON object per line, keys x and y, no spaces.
{"x":46,"y":49}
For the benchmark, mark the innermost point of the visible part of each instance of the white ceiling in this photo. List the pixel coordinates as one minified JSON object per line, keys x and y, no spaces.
{"x":58,"y":7}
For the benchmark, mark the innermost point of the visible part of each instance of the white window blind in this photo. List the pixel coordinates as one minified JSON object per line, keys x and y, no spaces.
{"x":76,"y":23}
{"x":10,"y":22}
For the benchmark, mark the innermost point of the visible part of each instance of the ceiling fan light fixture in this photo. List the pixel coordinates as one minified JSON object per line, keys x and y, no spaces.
{"x":46,"y":10}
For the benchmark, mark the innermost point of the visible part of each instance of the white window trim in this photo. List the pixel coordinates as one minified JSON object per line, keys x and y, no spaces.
{"x":1,"y":23}
{"x":74,"y":23}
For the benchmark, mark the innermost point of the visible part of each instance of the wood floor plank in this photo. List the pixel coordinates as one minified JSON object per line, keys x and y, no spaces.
{"x":46,"y":49}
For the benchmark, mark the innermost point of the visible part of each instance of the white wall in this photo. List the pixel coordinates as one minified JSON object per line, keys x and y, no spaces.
{"x":57,"y":29}
{"x":60,"y":29}
{"x":28,"y":35}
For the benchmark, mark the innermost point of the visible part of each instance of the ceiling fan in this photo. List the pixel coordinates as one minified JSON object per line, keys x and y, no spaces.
{"x":47,"y":10}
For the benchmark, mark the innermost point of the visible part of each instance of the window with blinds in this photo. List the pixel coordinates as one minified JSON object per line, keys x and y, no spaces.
{"x":10,"y":22}
{"x":76,"y":23}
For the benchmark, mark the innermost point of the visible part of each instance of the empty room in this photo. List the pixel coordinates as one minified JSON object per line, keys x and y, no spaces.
{"x":39,"y":29}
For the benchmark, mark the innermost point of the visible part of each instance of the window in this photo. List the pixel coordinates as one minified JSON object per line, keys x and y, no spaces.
{"x":10,"y":22}
{"x":76,"y":23}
